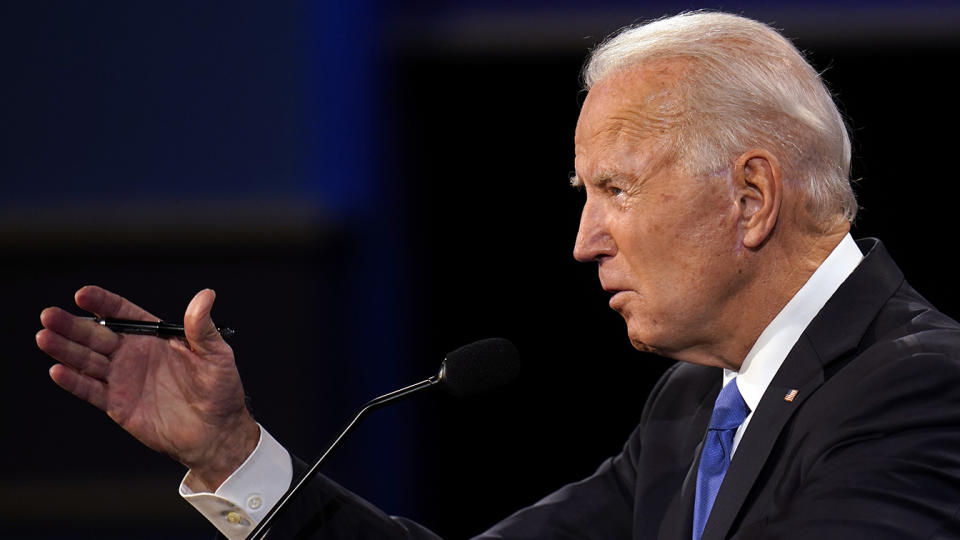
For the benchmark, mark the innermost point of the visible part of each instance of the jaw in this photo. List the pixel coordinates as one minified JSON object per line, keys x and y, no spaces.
{"x":681,"y":341}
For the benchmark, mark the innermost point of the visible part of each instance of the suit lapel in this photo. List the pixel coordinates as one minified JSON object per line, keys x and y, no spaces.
{"x":834,"y":332}
{"x":803,"y":372}
{"x":677,"y":523}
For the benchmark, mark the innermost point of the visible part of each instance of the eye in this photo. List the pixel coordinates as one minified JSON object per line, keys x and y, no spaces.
{"x":614,"y":191}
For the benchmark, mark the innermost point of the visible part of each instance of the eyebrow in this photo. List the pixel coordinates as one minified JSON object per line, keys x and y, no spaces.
{"x":604,"y":178}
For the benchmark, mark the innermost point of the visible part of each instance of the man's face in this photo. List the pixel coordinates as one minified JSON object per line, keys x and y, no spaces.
{"x":666,"y":243}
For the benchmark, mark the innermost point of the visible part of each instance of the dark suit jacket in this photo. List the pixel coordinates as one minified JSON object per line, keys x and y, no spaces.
{"x":868,"y":449}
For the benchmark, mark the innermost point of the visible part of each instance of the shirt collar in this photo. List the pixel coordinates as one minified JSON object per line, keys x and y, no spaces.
{"x":778,"y":338}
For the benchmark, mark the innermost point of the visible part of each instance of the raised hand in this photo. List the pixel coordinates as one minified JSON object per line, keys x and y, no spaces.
{"x":180,"y":397}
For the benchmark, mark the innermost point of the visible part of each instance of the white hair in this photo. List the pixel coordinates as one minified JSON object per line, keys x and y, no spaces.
{"x":744,"y":85}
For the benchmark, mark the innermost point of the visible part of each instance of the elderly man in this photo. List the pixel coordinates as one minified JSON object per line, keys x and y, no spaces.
{"x":818,"y":395}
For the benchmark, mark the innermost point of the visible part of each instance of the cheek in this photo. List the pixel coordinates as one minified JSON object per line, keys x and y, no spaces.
{"x":697,"y":254}
{"x":656,"y":250}
{"x":713,"y":227}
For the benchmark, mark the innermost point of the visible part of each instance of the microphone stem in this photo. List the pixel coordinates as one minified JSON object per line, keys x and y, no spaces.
{"x":375,"y":403}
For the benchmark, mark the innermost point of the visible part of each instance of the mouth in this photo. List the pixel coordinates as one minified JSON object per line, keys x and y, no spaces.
{"x":616,"y":297}
{"x":616,"y":294}
{"x":609,"y":288}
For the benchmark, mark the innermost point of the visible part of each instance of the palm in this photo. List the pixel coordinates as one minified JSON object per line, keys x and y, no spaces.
{"x":182,"y":397}
{"x":167,"y":396}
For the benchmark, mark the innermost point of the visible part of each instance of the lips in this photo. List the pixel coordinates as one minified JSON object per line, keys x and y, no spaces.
{"x":610,"y":288}
{"x":616,"y":296}
{"x":616,"y":293}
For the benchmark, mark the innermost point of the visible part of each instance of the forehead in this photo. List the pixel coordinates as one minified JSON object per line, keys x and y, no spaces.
{"x":642,"y":97}
{"x":628,"y":116}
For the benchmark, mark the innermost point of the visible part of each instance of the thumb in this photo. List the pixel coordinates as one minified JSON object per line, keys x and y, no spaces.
{"x":202,"y":335}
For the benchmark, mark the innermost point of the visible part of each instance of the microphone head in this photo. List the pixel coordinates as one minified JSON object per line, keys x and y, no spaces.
{"x":480,"y":366}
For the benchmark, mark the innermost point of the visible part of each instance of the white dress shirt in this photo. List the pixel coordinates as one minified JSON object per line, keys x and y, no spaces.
{"x":778,"y":338}
{"x":246,"y":496}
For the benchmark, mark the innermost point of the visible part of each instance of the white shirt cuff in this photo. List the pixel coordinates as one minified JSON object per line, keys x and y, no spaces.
{"x":247,"y":494}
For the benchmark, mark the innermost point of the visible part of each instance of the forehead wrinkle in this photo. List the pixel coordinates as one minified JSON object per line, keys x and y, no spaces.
{"x":645,"y":131}
{"x":631,"y":155}
{"x":648,"y":100}
{"x":640,"y":127}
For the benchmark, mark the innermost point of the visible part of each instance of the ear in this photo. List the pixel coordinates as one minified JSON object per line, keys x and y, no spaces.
{"x":759,"y":189}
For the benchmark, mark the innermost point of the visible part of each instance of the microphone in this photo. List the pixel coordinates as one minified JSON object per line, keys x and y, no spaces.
{"x":479,"y":366}
{"x":472,"y":369}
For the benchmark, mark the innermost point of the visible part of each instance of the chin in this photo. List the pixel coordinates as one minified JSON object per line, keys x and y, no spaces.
{"x":640,"y":340}
{"x":645,"y":334}
{"x":642,"y":346}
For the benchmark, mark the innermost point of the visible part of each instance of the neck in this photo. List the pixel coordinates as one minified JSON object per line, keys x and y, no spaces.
{"x":775,"y":273}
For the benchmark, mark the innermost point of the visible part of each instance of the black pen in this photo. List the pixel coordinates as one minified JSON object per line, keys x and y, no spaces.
{"x":147,"y":328}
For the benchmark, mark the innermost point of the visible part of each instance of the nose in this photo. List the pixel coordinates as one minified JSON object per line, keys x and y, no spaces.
{"x":593,"y":237}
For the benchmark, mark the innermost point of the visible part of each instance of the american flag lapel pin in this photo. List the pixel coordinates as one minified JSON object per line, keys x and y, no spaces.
{"x":791,"y":395}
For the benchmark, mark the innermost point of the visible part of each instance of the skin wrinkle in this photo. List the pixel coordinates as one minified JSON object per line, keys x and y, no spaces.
{"x":647,"y":159}
{"x":734,"y":76}
{"x":697,"y":265}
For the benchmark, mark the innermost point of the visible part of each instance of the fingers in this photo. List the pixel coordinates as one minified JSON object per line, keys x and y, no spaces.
{"x":107,"y":304}
{"x":85,"y":388}
{"x":79,"y":330}
{"x":201,"y":333}
{"x":82,"y":346}
{"x":80,"y":358}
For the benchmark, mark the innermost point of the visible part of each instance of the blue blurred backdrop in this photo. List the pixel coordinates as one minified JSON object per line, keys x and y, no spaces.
{"x":368,"y":185}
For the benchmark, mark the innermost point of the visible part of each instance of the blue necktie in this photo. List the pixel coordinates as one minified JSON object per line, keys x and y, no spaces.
{"x":729,"y":411}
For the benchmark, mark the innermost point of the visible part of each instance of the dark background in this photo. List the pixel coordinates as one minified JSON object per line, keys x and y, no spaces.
{"x":367,"y":188}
